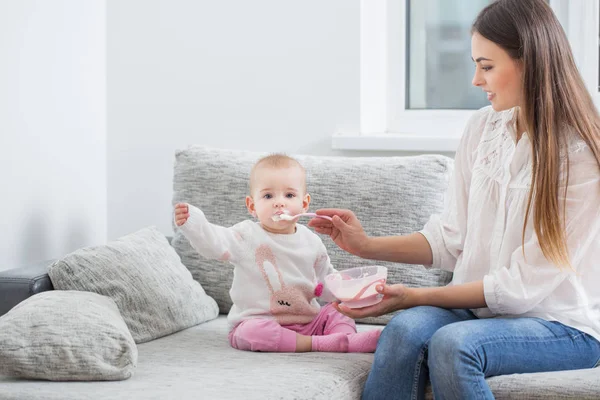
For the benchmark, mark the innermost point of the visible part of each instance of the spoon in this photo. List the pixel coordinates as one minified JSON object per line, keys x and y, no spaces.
{"x":287,"y":217}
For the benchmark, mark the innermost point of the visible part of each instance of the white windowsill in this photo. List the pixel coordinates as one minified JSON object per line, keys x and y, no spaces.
{"x":394,"y":142}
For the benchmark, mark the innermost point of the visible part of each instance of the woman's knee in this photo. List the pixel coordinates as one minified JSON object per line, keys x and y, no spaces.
{"x":450,"y":346}
{"x":404,"y":329}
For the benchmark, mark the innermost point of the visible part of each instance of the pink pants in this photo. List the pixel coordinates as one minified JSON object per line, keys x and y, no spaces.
{"x":261,"y":334}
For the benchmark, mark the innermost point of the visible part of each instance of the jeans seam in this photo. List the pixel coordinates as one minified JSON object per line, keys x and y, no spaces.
{"x":537,"y":338}
{"x":415,"y":388}
{"x":514,"y":340}
{"x":480,"y":383}
{"x":577,"y":334}
{"x":530,"y":339}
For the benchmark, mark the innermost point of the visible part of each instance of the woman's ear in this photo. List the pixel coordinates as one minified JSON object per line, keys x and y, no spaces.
{"x":306,"y":202}
{"x":250,"y":206}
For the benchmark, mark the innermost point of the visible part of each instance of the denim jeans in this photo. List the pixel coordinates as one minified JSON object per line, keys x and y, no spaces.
{"x":457,"y":351}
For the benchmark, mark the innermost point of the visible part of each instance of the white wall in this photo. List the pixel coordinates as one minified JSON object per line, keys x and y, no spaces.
{"x":265,"y":75}
{"x":52,"y":128}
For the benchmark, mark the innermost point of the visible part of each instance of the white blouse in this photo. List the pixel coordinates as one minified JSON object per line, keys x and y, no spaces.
{"x":479,"y":234}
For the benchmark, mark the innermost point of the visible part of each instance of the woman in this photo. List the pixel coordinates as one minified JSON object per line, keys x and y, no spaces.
{"x":521,"y":229}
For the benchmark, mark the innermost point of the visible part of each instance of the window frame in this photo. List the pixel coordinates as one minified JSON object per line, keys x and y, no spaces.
{"x":386,"y":124}
{"x":579,"y":18}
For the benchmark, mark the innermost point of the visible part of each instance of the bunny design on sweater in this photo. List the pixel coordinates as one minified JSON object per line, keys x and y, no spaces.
{"x":289,"y":304}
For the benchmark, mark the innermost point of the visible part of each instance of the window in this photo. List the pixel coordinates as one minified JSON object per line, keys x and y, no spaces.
{"x":438,"y":48}
{"x":416,"y":70}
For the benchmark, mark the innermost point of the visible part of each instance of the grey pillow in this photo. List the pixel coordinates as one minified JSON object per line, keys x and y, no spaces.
{"x":390,"y":196}
{"x":144,"y":275}
{"x":66,"y":336}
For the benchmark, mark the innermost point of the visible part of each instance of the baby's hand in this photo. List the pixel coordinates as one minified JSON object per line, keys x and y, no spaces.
{"x":182,"y":213}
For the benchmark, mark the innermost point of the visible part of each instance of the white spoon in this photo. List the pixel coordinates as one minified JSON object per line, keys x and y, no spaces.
{"x":287,"y":217}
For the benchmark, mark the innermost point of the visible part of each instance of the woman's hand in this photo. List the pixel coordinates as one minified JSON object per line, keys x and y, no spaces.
{"x":395,"y":297}
{"x":399,"y":297}
{"x":345,"y":230}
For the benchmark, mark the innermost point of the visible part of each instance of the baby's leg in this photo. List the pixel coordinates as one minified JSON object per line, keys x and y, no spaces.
{"x":363,"y":342}
{"x":333,"y":343}
{"x":266,"y":335}
{"x":262,"y":334}
{"x":336,"y":322}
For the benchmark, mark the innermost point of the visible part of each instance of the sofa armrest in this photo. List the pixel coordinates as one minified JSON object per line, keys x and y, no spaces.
{"x":20,"y":283}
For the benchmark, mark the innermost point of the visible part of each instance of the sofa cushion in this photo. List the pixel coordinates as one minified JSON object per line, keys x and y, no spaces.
{"x":66,"y":336}
{"x":199,"y":363}
{"x":390,"y":195}
{"x":145,"y":277}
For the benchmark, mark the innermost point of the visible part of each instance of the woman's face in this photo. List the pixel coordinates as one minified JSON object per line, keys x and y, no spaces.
{"x":499,"y":75}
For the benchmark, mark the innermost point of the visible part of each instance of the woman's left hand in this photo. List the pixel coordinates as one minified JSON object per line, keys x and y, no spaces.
{"x":395,"y":297}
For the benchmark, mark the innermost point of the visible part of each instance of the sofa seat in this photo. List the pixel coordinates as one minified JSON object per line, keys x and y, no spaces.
{"x":199,"y":363}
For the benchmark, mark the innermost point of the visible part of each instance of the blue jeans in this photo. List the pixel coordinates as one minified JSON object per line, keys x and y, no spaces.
{"x":457,"y":351}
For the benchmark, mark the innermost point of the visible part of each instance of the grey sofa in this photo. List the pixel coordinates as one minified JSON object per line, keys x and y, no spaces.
{"x":198,"y":363}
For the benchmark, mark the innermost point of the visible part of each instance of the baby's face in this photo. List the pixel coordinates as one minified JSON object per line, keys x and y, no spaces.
{"x":276,"y":191}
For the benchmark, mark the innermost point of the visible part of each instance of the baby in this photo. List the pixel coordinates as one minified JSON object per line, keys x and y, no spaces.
{"x":279,"y":267}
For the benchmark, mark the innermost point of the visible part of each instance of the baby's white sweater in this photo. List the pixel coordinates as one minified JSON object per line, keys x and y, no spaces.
{"x":275,"y":275}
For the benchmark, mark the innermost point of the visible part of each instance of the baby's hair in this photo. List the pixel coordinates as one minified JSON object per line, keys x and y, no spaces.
{"x":275,"y":161}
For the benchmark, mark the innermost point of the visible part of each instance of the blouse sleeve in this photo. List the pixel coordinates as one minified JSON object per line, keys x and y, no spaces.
{"x":530,"y":278}
{"x":445,"y":232}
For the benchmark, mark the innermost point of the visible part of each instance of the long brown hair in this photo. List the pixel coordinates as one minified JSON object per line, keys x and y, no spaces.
{"x":555,"y":100}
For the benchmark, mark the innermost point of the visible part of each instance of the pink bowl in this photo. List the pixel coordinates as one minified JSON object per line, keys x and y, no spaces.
{"x":355,"y":287}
